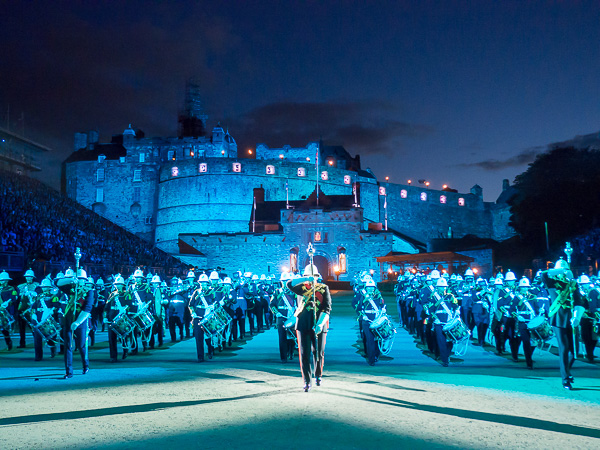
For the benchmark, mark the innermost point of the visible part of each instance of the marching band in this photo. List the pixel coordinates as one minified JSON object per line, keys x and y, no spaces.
{"x":444,"y":312}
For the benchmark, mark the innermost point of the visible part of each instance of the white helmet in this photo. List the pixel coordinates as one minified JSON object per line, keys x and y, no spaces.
{"x":70,"y":273}
{"x":469,"y":273}
{"x":227,"y":280}
{"x":263,"y":277}
{"x":119,"y":280}
{"x":203,"y":278}
{"x":138,"y":273}
{"x":370,"y":283}
{"x":91,"y":281}
{"x":435,"y":274}
{"x":4,"y":276}
{"x":82,"y":275}
{"x":510,"y":276}
{"x":524,"y":282}
{"x":285,"y":276}
{"x":214,"y":275}
{"x":583,"y":279}
{"x":100,"y":282}
{"x":498,"y":281}
{"x":500,"y":275}
{"x":311,"y":270}
{"x":46,"y":283}
{"x":459,"y":278}
{"x":247,"y":274}
{"x":441,"y":282}
{"x":29,"y":273}
{"x":561,"y":264}
{"x":191,"y":274}
{"x":254,"y":277}
{"x":453,"y":277}
{"x":59,"y":275}
{"x":155,"y":279}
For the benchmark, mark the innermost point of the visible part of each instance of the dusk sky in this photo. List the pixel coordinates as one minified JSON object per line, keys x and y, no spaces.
{"x":452,"y":92}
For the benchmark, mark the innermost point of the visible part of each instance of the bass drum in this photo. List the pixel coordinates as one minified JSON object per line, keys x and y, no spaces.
{"x":540,"y":329}
{"x":456,"y":330}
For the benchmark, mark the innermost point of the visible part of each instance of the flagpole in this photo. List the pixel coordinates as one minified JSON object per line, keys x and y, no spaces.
{"x":287,"y":196}
{"x":317,"y":166}
{"x":254,"y":215}
{"x":385,"y":208}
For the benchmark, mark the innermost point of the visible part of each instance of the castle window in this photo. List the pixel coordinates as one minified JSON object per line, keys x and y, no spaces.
{"x":381,"y":190}
{"x":137,"y":194}
{"x":347,"y":179}
{"x":342,"y":263}
{"x":142,"y":157}
{"x":100,"y":175}
{"x":270,"y":170}
{"x":171,"y":155}
{"x":403,"y":193}
{"x":203,"y":168}
{"x":324,"y":175}
{"x":301,"y":172}
{"x":122,"y":159}
{"x":423,"y":196}
{"x":101,"y":158}
{"x":461,"y":201}
{"x":294,"y":260}
{"x":236,"y":167}
{"x":137,"y":175}
{"x":174,"y":172}
{"x":191,"y":153}
{"x":443,"y":199}
{"x":317,"y":236}
{"x":99,"y":195}
{"x":148,"y":220}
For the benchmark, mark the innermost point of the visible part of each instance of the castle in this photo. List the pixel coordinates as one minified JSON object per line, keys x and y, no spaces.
{"x":196,"y":197}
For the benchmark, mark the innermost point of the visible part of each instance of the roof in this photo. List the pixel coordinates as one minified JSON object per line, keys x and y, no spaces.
{"x":111,"y":151}
{"x":425,"y":258}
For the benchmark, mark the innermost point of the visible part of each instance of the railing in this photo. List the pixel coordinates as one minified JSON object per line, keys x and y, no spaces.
{"x":12,"y":261}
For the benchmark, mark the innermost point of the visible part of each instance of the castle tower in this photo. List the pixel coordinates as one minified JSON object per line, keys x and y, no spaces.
{"x":192,"y":122}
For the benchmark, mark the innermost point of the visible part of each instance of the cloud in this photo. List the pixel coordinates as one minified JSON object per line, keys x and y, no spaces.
{"x":365,"y":127}
{"x":525,"y":157}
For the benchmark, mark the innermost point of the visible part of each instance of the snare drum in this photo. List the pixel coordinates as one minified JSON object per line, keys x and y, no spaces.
{"x":6,"y":319}
{"x":48,"y":328}
{"x":456,"y":330}
{"x":540,"y":329}
{"x":382,"y":327}
{"x":122,"y":325}
{"x":211,"y":323}
{"x":143,"y":319}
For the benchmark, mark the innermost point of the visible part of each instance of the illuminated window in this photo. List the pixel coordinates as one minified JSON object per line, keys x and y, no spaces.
{"x":174,"y":171}
{"x":191,"y":153}
{"x":403,"y":193}
{"x":423,"y":196}
{"x":381,"y":190}
{"x":317,"y":236}
{"x":294,"y":260}
{"x":331,"y":162}
{"x":342,"y":260}
{"x":301,"y":172}
{"x":347,"y":179}
{"x":137,"y":175}
{"x":236,"y":167}
{"x":324,"y":175}
{"x":443,"y":199}
{"x":270,"y":170}
{"x":99,"y":195}
{"x":100,"y":175}
{"x":461,"y":201}
{"x":142,"y":157}
{"x":203,"y":168}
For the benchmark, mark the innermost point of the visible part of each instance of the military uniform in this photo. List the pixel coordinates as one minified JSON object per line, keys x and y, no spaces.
{"x":44,"y":305}
{"x":8,"y":300}
{"x":589,"y":322}
{"x":311,"y":345}
{"x":369,"y":310}
{"x":27,"y":293}
{"x":284,"y":304}
{"x":442,"y":311}
{"x":199,"y":305}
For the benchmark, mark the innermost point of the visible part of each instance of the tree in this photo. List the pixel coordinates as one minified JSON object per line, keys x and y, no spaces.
{"x":561,"y":187}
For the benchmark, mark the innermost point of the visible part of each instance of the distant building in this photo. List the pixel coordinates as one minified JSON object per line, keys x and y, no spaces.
{"x":18,"y":154}
{"x":195,"y":194}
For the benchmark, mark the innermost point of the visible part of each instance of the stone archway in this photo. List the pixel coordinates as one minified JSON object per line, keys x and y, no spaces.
{"x":322,"y":264}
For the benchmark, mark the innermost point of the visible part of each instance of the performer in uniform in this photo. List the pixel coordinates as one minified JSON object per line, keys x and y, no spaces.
{"x":481,"y":311}
{"x":567,"y":307}
{"x":284,"y":305}
{"x":199,"y":306}
{"x":177,"y":307}
{"x":527,"y":308}
{"x":42,"y":307}
{"x":27,"y":293}
{"x":312,"y":322}
{"x":75,"y":326}
{"x":370,"y":308}
{"x":8,"y":307}
{"x":591,"y":318}
{"x":239,"y":306}
{"x":157,"y":308}
{"x":443,"y":310}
